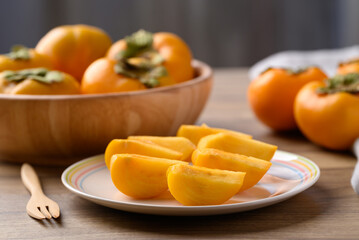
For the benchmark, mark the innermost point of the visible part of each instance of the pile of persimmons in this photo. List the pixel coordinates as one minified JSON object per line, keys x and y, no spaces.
{"x":326,"y":110}
{"x":76,"y":59}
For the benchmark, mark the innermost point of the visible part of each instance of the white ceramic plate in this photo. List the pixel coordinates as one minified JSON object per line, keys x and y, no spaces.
{"x":289,"y":175}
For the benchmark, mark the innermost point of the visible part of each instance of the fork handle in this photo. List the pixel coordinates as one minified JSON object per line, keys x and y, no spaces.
{"x":30,"y":179}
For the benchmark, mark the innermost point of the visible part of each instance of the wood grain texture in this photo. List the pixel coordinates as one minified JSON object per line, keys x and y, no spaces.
{"x":328,"y":210}
{"x":55,"y":130}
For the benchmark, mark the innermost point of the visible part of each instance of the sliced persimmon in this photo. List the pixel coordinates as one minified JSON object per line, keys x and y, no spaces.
{"x":195,"y":133}
{"x":234,"y":144}
{"x":140,"y":176}
{"x":118,"y":146}
{"x":179,"y":144}
{"x":213,"y":158}
{"x":193,"y":185}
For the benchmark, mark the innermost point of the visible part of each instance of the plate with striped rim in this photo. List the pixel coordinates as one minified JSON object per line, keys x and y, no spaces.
{"x":289,"y":175}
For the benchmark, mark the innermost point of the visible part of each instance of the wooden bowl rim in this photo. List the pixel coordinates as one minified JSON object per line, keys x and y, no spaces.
{"x":205,"y":72}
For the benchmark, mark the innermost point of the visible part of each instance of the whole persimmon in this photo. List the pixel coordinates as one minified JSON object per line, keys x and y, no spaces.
{"x":100,"y":77}
{"x":271,"y":95}
{"x":351,"y":66}
{"x":72,"y":48}
{"x":175,"y":53}
{"x":327,"y":112}
{"x":21,"y":57}
{"x":38,"y":81}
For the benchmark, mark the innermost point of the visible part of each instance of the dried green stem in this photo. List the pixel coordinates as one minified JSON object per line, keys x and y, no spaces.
{"x":140,"y":61}
{"x":19,"y":52}
{"x":42,"y":75}
{"x":341,"y":83}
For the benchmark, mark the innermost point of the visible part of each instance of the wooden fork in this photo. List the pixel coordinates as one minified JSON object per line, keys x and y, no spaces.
{"x":39,"y":206}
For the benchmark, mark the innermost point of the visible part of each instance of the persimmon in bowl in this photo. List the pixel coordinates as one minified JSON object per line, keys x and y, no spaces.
{"x":59,"y":129}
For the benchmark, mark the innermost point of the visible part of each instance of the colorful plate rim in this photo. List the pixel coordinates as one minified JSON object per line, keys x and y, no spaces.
{"x":300,"y":163}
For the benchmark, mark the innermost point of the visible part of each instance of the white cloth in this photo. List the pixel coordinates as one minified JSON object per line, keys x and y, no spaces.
{"x":327,"y":60}
{"x":355,"y":176}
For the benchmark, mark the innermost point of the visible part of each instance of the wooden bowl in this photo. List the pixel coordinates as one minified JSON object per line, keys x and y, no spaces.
{"x":58,"y":130}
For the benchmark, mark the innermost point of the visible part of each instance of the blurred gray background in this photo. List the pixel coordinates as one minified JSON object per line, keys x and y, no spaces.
{"x":223,"y":33}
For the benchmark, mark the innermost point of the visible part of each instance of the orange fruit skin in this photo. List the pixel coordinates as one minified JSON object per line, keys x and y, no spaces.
{"x":173,"y":49}
{"x":271,"y":95}
{"x":329,"y":120}
{"x":72,"y":48}
{"x":348,"y":67}
{"x":100,"y":77}
{"x":36,"y":60}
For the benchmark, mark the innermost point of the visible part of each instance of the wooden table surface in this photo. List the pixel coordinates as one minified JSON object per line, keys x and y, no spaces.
{"x":328,"y":210}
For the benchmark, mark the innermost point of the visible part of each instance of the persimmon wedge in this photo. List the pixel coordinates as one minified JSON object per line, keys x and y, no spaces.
{"x":195,"y":133}
{"x":118,"y":146}
{"x":179,"y":144}
{"x":193,"y":185}
{"x":213,"y":158}
{"x":234,"y":144}
{"x":139,"y":176}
